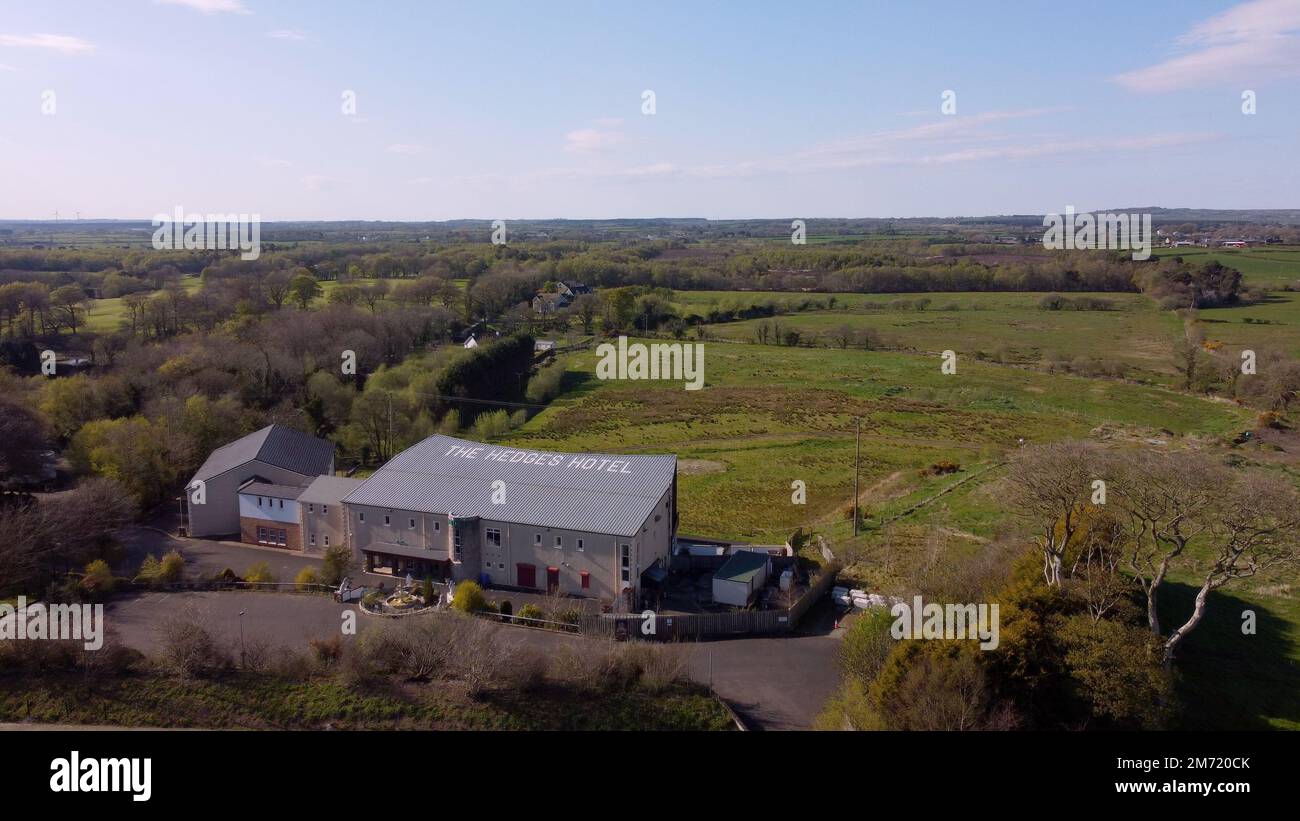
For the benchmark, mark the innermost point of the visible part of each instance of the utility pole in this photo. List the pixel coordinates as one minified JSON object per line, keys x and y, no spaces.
{"x":857,"y":457}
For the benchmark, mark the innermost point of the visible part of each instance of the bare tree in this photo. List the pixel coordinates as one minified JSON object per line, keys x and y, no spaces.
{"x":1050,"y":487}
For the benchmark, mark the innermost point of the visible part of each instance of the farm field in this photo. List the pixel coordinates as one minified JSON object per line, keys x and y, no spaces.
{"x":769,"y":416}
{"x":1268,"y":267}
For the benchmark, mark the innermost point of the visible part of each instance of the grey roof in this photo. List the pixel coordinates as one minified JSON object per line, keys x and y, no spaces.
{"x":742,"y":566}
{"x":275,"y":445}
{"x":255,"y":487}
{"x":589,"y":492}
{"x":328,"y":490}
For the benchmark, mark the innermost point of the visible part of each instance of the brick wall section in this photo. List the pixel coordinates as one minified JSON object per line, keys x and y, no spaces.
{"x":248,"y":532}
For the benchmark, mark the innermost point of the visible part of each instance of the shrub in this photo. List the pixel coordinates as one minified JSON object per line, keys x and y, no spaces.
{"x":150,"y":570}
{"x":530,"y":611}
{"x":172,"y":567}
{"x":259,"y":572}
{"x":189,"y":650}
{"x":98,"y":580}
{"x":336,"y":563}
{"x":469,"y":598}
{"x":306,"y":577}
{"x":428,"y":593}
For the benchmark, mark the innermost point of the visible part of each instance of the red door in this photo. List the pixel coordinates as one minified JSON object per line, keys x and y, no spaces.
{"x":525,"y":575}
{"x":552,"y":579}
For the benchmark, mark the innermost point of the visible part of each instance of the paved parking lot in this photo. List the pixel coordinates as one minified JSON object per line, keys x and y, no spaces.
{"x":773,"y":683}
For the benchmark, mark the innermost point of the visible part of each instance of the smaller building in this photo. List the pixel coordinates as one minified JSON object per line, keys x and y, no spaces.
{"x":739,"y":580}
{"x":550,"y":303}
{"x":324,"y":519}
{"x":268,"y":514}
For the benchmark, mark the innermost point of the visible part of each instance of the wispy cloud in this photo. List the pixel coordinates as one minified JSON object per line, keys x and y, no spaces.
{"x":62,"y":43}
{"x":210,"y":6}
{"x":947,"y":141}
{"x":320,"y":182}
{"x":286,"y":34}
{"x":592,"y":140}
{"x":409,"y":149}
{"x":1250,"y":42}
{"x":4,"y":67}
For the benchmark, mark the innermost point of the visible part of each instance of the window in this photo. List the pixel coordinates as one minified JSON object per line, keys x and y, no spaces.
{"x":387,"y":520}
{"x":586,"y":579}
{"x":281,"y":537}
{"x":580,"y":548}
{"x":311,"y":508}
{"x":455,"y":541}
{"x":327,"y":541}
{"x":324,"y":510}
{"x":313,"y":539}
{"x":259,"y":501}
{"x":437,"y":526}
{"x":493,"y":536}
{"x":626,"y":575}
{"x":559,"y":543}
{"x":537,"y":538}
{"x":625,"y":551}
{"x":501,"y":565}
{"x":281,"y":504}
{"x":261,"y":535}
{"x":361,"y":516}
{"x":412,"y":521}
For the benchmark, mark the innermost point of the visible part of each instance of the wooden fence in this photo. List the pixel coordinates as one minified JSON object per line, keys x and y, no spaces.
{"x":680,"y":626}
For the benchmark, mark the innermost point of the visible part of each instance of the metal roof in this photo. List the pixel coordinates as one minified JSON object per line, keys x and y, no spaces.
{"x":275,"y":445}
{"x":328,"y":490}
{"x":590,"y":492}
{"x":742,"y":566}
{"x":274,"y":491}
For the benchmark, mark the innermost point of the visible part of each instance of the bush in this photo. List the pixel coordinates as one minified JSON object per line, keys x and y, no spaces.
{"x":259,"y":572}
{"x":98,"y":580}
{"x":428,"y":593}
{"x":530,"y":611}
{"x":336,"y":564}
{"x":189,"y":650}
{"x":150,"y":570}
{"x":306,"y":578}
{"x":469,"y":598}
{"x":172,"y":567}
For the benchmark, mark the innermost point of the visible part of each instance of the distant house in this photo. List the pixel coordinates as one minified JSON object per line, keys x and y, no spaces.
{"x":1235,"y":243}
{"x":275,"y":456}
{"x":552,"y":302}
{"x":544,"y":345}
{"x":470,"y":342}
{"x":572,"y":288}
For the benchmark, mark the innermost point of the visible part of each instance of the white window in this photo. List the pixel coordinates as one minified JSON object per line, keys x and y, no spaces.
{"x":281,"y":504}
{"x":455,"y":539}
{"x":412,"y":521}
{"x":311,"y":508}
{"x":537,"y":538}
{"x":361,"y":516}
{"x":559,"y":542}
{"x":387,"y":520}
{"x":493,"y":536}
{"x":324,"y":510}
{"x":313,"y":539}
{"x":580,"y":548}
{"x":259,"y":501}
{"x":437,"y":526}
{"x":327,"y":541}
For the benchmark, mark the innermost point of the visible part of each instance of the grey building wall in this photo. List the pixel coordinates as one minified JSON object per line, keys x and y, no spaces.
{"x":324,"y":526}
{"x":600,"y":555}
{"x":219,"y":515}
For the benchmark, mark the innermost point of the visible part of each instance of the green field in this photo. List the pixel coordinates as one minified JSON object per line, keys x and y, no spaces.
{"x":1267,"y":267}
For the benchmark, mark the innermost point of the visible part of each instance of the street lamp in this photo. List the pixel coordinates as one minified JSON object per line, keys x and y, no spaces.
{"x":242,"y":653}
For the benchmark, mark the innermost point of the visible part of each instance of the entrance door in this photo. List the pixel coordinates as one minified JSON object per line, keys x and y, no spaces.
{"x":525,"y":575}
{"x":552,"y":579}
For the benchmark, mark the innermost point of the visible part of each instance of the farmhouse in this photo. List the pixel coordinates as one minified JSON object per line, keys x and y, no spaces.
{"x":275,"y":457}
{"x":581,"y":524}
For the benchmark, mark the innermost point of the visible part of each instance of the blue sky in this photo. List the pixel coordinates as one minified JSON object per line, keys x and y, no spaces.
{"x":534,"y":110}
